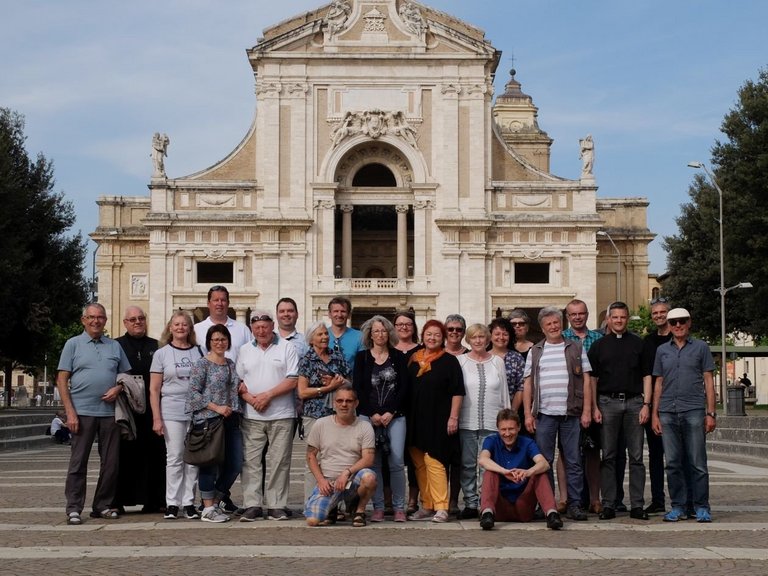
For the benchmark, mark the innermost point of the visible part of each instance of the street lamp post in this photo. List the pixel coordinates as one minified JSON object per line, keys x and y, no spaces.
{"x":618,"y":263}
{"x":722,"y":290}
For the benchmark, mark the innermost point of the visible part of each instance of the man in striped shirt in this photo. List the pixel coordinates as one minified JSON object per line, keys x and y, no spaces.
{"x":557,"y":398}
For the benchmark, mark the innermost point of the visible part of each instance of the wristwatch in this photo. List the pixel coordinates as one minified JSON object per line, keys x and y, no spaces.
{"x":712,"y":415}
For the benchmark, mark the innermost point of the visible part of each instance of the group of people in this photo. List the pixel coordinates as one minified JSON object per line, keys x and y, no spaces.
{"x":401,"y":419}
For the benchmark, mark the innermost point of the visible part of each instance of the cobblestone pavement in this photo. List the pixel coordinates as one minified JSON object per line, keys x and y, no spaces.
{"x":36,"y":539}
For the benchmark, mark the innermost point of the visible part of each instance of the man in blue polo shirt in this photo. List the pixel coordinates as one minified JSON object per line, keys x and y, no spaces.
{"x":515,"y":477}
{"x":684,"y":413}
{"x":87,"y":372}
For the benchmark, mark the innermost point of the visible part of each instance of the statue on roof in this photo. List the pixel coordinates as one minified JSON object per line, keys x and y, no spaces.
{"x":587,"y":156}
{"x":159,"y":152}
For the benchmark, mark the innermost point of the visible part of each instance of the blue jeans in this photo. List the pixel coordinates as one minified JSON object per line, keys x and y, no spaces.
{"x":215,"y":481}
{"x":471,"y":445}
{"x":684,"y":436}
{"x":548,"y":428}
{"x":396,"y":461}
{"x":622,"y":415}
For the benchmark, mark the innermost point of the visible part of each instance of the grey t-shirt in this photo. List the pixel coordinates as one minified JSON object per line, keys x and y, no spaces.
{"x":175,"y":364}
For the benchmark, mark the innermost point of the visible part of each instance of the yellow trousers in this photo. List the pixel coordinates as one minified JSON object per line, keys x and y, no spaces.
{"x":432,"y":479}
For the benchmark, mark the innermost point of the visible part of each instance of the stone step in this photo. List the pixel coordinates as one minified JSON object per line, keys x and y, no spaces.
{"x":15,"y":418}
{"x":743,"y":448}
{"x":745,"y":436}
{"x":23,"y":430}
{"x":27,"y":443}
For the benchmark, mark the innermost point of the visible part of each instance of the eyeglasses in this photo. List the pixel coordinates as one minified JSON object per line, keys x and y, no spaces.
{"x":264,"y":318}
{"x":219,"y":340}
{"x":344,"y":401}
{"x":517,"y":324}
{"x":402,"y":325}
{"x":92,"y":318}
{"x":454,"y":329}
{"x":660,"y":300}
{"x":676,"y":321}
{"x":136,"y":319}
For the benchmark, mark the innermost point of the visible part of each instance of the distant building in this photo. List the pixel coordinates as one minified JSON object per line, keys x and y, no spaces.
{"x":378,"y":167}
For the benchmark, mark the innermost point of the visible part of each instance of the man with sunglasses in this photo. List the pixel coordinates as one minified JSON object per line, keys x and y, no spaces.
{"x":684,"y":413}
{"x":659,"y":310}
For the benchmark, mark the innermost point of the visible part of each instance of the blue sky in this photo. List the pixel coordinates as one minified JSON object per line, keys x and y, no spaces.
{"x":651,"y":80}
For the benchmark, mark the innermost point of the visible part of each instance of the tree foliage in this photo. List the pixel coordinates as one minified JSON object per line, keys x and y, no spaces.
{"x":41,"y":266}
{"x":740,"y":166}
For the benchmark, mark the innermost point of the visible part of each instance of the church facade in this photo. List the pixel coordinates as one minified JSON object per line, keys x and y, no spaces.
{"x":379,"y":166}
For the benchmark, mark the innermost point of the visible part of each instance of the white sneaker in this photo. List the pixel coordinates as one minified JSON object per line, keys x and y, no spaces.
{"x":213,"y":515}
{"x":440,"y":517}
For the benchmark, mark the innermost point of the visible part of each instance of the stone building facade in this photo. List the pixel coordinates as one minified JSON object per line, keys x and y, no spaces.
{"x":379,"y":166}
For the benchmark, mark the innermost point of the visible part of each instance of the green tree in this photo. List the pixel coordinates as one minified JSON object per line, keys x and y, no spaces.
{"x":740,"y":166}
{"x":40,"y":265}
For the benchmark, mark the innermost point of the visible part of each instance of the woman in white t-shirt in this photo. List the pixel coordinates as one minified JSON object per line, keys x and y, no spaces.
{"x":485,"y":382}
{"x":169,"y":383}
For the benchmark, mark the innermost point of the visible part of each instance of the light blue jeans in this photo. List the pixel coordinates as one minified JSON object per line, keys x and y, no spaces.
{"x":471,"y":480}
{"x":396,"y":463}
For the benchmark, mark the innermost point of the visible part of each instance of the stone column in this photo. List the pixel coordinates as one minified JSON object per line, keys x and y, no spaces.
{"x":346,"y":240}
{"x":402,"y":240}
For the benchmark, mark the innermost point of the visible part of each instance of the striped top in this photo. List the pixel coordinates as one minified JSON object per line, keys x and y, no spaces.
{"x":553,"y":378}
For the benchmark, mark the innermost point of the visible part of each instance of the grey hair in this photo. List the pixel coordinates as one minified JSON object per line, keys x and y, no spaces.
{"x":456,"y":318}
{"x":368,"y":326}
{"x":520,"y":313}
{"x":550,"y":311}
{"x":94,"y":305}
{"x":311,"y":331}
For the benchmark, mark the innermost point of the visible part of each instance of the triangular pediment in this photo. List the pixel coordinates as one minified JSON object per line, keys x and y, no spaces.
{"x":380,"y":26}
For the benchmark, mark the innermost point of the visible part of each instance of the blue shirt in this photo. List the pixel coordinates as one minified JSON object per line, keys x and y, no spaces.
{"x":350,"y":343}
{"x":683,"y":372}
{"x":93,"y":364}
{"x":519,"y":456}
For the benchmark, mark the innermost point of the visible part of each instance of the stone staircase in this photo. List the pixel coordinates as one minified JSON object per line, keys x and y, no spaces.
{"x":747,"y":435}
{"x":22,"y":429}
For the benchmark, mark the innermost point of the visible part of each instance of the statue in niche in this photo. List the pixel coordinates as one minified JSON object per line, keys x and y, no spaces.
{"x":411,"y":16}
{"x":587,"y":156}
{"x":159,"y":152}
{"x":337,"y":16}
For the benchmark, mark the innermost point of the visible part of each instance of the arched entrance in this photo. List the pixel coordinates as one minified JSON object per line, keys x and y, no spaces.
{"x":373,"y":220}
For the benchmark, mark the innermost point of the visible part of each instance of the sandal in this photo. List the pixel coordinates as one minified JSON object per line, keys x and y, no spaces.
{"x":330,"y":520}
{"x":107,"y":514}
{"x":358,"y":520}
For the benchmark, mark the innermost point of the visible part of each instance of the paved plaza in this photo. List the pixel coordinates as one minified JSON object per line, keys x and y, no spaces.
{"x":36,"y":539}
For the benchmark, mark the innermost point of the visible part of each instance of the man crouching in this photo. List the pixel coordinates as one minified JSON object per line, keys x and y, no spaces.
{"x":514,"y":479}
{"x":340,"y":452}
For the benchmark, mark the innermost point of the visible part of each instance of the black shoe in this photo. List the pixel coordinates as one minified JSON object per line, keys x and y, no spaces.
{"x":554,"y":522}
{"x":288,"y":512}
{"x":607,"y":514}
{"x":468,"y":513}
{"x":538,"y":514}
{"x":171,"y":512}
{"x":487,"y":520}
{"x":620,"y":506}
{"x":655,"y":508}
{"x":638,"y":514}
{"x":576,"y":512}
{"x":228,"y":506}
{"x":190,"y":512}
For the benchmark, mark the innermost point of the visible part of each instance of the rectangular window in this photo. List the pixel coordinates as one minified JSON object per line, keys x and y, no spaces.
{"x":530,"y":273}
{"x":215,"y":272}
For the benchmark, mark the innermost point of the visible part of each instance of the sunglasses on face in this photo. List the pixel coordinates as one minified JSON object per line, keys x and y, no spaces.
{"x":676,"y":321}
{"x":517,"y":324}
{"x":454,"y":329}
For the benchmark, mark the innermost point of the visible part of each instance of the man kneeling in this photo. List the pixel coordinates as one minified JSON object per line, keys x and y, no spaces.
{"x":514,"y":478}
{"x":340,"y":452}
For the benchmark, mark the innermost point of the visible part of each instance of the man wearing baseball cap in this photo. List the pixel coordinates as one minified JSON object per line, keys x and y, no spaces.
{"x":684,"y":413}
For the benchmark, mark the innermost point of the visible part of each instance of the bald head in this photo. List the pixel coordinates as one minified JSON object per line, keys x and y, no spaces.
{"x":135,"y":321}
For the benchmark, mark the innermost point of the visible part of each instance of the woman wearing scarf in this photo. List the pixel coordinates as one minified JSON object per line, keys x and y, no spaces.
{"x":436,"y":389}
